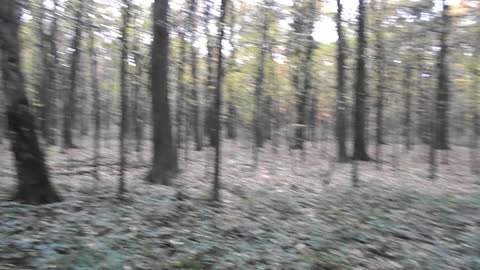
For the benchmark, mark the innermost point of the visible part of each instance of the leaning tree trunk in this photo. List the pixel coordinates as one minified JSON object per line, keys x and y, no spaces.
{"x":164,"y":164}
{"x":359,"y":146}
{"x":34,"y":186}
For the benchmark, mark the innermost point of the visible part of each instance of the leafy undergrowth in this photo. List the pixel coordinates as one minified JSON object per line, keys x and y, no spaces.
{"x":271,"y":219}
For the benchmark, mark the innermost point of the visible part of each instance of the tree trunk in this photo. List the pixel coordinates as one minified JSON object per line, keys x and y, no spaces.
{"x":195,"y":112}
{"x":70,"y":102}
{"x":359,"y":147}
{"x":218,"y":101}
{"x":341,"y":127}
{"x":53,"y":63}
{"x":408,"y":105}
{"x":123,"y":93}
{"x":96,"y":102}
{"x":164,"y":164}
{"x":259,"y":82}
{"x":138,"y":111}
{"x":181,"y":88}
{"x":44,"y":77}
{"x":442,"y":90}
{"x":210,"y":84}
{"x":475,"y":166}
{"x":34,"y":186}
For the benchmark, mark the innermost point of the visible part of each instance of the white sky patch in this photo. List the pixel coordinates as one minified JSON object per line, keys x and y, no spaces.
{"x":325,"y":30}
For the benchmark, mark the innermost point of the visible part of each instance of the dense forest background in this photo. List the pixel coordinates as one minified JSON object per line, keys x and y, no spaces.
{"x":354,"y":115}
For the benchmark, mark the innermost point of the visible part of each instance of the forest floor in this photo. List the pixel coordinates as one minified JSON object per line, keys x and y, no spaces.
{"x":280,"y":216}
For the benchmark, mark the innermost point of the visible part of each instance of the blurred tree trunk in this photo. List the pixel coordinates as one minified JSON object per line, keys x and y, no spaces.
{"x":341,"y":127}
{"x":260,"y":80}
{"x":210,"y":83}
{"x":70,"y":98}
{"x":443,"y":81}
{"x":218,"y":101}
{"x":164,"y":164}
{"x":181,"y":88}
{"x":34,"y":186}
{"x":44,"y":78}
{"x":231,"y":106}
{"x":380,"y":70}
{"x":96,"y":99}
{"x":408,"y":104}
{"x":475,"y":166}
{"x":359,"y":146}
{"x":193,"y":94}
{"x":123,"y":94}
{"x":138,"y":111}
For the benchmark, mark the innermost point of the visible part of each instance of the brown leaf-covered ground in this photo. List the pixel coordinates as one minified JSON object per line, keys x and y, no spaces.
{"x":280,"y":216}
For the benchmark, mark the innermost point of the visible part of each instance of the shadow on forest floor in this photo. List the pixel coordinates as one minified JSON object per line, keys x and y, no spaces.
{"x":281,"y":216}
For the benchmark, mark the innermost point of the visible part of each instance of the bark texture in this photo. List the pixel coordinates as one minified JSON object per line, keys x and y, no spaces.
{"x":34,"y":186}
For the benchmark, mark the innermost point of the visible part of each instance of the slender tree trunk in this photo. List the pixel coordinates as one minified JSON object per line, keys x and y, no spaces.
{"x":195,"y":112}
{"x":359,"y":147}
{"x":408,"y":105}
{"x":96,"y":102}
{"x":475,"y":166}
{"x":138,"y":111}
{"x":218,"y":101}
{"x":433,"y":141}
{"x":34,"y":186}
{"x":443,"y":81}
{"x":44,"y":82}
{"x":181,"y":88}
{"x":164,"y":164}
{"x":70,"y":102}
{"x":259,"y":82}
{"x":380,"y":61}
{"x":341,"y":127}
{"x":210,"y":83}
{"x":52,"y":78}
{"x":124,"y":94}
{"x":231,"y":122}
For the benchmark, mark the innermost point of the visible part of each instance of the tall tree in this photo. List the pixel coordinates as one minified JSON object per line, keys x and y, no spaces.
{"x":443,"y":81}
{"x":380,"y":70}
{"x":210,"y":83}
{"x":96,"y":95}
{"x":123,"y":91}
{"x":34,"y":186}
{"x":303,"y":25}
{"x":341,"y":127}
{"x":70,"y":102}
{"x":138,"y":111}
{"x":232,"y":66}
{"x":259,"y":82}
{"x":46,"y":83}
{"x":359,"y":146}
{"x":164,"y":164}
{"x":218,"y":100}
{"x":179,"y":116}
{"x":193,"y":93}
{"x":407,"y":82}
